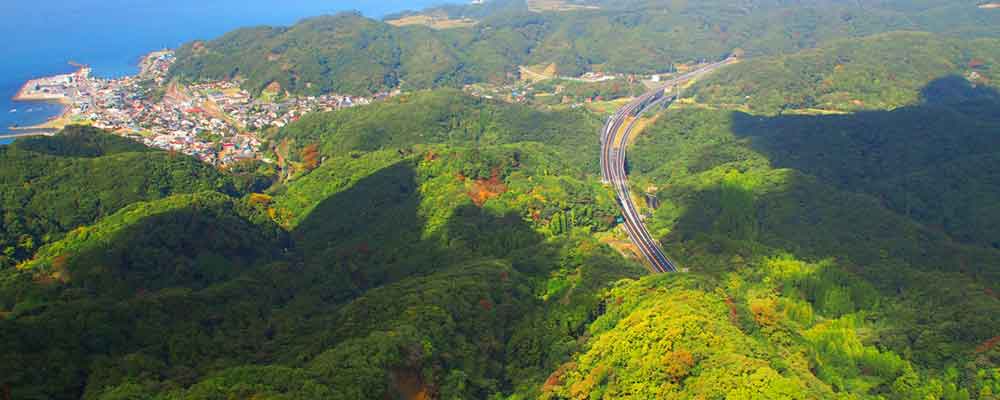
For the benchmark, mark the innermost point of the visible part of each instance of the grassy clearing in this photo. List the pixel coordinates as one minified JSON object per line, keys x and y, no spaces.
{"x":557,"y":5}
{"x":434,"y":21}
{"x":538,"y":73}
{"x":607,"y":107}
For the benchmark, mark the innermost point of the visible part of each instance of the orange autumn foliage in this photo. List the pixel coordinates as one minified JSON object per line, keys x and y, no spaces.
{"x":764,"y":312}
{"x":677,"y":364}
{"x":988,"y":345}
{"x":486,"y":189}
{"x":556,"y":378}
{"x":582,"y":389}
{"x":310,"y":156}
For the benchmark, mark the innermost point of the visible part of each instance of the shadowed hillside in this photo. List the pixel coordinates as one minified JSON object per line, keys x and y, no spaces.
{"x":795,"y":218}
{"x":55,"y":184}
{"x":380,"y":290}
{"x":834,"y":212}
{"x":934,"y":162}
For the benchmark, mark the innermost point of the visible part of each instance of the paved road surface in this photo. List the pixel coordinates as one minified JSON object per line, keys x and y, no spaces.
{"x":614,"y":140}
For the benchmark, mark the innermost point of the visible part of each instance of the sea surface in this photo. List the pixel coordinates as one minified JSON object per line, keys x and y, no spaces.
{"x":41,"y":37}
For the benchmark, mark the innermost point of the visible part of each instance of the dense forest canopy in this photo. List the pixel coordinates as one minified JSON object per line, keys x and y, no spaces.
{"x":833,"y":199}
{"x":443,"y":116}
{"x":53,"y":185}
{"x":498,"y":252}
{"x":348,"y":53}
{"x":879,"y":72}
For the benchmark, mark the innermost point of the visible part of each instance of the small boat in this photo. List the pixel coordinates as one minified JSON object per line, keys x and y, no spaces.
{"x":13,"y":110}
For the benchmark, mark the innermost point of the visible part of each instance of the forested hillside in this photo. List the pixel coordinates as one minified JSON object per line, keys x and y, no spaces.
{"x":880,"y":72}
{"x":350,"y":54}
{"x":859,"y":241}
{"x":53,"y":185}
{"x":809,"y":264}
{"x":455,"y":269}
{"x":834,"y":211}
{"x":930,"y":114}
{"x":495,"y":255}
{"x":441,"y":117}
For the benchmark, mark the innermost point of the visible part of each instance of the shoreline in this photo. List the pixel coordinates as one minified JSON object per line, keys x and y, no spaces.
{"x":55,"y":122}
{"x":34,"y":132}
{"x":63,"y":119}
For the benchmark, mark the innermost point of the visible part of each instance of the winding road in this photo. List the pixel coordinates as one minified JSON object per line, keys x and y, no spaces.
{"x":614,"y":140}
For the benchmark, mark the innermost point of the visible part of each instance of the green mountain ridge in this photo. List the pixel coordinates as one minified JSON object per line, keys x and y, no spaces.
{"x":53,"y":185}
{"x":441,"y":246}
{"x":880,"y":72}
{"x":350,"y":54}
{"x":443,"y":116}
{"x":939,"y":124}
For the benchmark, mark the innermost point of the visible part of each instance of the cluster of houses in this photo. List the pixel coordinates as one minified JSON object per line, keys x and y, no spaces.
{"x":214,"y":121}
{"x":255,"y":115}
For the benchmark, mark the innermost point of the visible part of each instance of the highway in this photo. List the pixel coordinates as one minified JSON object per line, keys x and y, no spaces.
{"x":614,"y":140}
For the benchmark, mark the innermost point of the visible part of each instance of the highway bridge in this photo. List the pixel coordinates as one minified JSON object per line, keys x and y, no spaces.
{"x":614,"y":139}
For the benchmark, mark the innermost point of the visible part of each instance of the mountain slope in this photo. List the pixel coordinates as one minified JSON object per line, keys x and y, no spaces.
{"x":345,"y":53}
{"x":442,"y":117}
{"x":96,"y":295}
{"x":441,"y":246}
{"x":53,"y":185}
{"x":350,"y":54}
{"x":190,"y":305}
{"x":928,"y":156}
{"x":823,"y":234}
{"x":874,"y":73}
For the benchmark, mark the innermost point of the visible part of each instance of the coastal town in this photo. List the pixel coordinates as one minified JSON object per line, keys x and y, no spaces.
{"x":217,"y":122}
{"x":221,"y":123}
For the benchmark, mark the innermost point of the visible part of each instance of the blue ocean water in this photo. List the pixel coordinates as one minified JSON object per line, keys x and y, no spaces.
{"x":42,"y":36}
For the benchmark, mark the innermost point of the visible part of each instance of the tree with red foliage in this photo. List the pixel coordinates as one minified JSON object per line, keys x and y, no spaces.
{"x":310,"y":157}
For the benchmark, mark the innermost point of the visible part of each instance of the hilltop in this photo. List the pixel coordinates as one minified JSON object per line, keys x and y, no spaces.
{"x":53,"y":185}
{"x":443,"y":116}
{"x":350,"y":54}
{"x":884,"y":71}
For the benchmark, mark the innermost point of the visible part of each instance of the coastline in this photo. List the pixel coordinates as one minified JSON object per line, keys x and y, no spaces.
{"x":21,"y":96}
{"x":34,"y":132}
{"x":64,"y":118}
{"x":56,"y":122}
